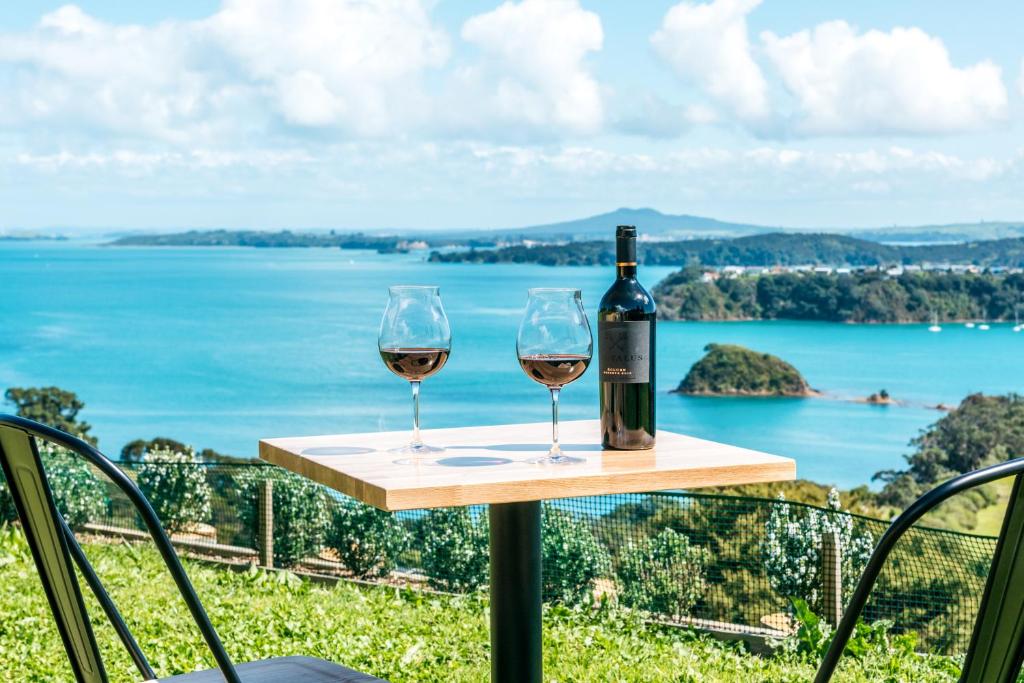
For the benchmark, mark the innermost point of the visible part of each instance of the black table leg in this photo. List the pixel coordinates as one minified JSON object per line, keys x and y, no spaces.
{"x":515,"y":593}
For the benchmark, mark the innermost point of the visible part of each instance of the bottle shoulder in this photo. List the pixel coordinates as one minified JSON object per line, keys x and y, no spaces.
{"x":627,"y":295}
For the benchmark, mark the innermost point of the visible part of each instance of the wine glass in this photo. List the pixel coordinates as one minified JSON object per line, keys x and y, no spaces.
{"x":414,"y":343}
{"x":554,"y":346}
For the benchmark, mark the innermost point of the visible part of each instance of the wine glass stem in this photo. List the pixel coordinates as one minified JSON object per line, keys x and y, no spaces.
{"x":415,"y":413}
{"x":555,"y":448}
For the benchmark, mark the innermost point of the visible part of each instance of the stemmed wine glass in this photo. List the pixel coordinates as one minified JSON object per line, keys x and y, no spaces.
{"x":554,"y":346}
{"x":414,"y":342}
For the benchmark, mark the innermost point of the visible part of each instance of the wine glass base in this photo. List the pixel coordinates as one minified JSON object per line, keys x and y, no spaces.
{"x":416,"y":452}
{"x":549,"y":460}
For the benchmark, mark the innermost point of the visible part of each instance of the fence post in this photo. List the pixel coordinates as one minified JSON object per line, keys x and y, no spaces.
{"x":265,"y":527}
{"x":831,"y":577}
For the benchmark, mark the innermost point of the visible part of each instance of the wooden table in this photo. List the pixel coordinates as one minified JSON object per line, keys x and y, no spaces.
{"x":486,"y":465}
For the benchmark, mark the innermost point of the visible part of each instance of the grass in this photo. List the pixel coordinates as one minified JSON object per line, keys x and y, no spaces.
{"x":990,"y":519}
{"x":397,"y":634}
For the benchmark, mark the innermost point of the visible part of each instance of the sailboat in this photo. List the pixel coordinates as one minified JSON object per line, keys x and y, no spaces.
{"x":969,"y":326}
{"x":983,"y":326}
{"x":935,"y":324}
{"x":1017,"y":327}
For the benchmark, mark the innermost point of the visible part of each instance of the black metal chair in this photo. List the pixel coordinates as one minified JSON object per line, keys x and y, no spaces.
{"x":996,"y":651}
{"x":54,"y":546}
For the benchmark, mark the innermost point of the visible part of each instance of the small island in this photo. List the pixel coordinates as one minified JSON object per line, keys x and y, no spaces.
{"x":732,"y":370}
{"x":880,"y":398}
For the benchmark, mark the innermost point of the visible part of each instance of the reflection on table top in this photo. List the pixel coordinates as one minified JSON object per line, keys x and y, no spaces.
{"x":489,"y":465}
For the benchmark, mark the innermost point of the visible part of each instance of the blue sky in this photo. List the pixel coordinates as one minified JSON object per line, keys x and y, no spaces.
{"x":410,"y":113}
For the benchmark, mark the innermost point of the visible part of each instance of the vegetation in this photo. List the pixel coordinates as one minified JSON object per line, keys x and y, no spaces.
{"x":287,"y":238}
{"x":770,"y":249}
{"x":455,"y":548}
{"x":663,"y":574}
{"x":862,"y":297}
{"x":860,"y":500}
{"x":573,"y":558}
{"x":78,"y":494}
{"x":982,"y":430}
{"x":301,"y":512}
{"x":175,"y":485}
{"x":368,"y":541}
{"x":731,"y":370}
{"x":52,"y":406}
{"x":792,"y":549}
{"x":404,"y":636}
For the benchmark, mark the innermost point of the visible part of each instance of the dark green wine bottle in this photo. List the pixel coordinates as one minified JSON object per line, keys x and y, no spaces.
{"x":626,"y":321}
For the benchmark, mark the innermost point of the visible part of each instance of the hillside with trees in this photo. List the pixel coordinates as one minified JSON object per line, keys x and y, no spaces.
{"x":983,"y":430}
{"x":771,"y":249}
{"x":860,"y":297}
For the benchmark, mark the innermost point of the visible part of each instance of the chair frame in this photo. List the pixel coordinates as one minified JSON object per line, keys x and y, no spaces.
{"x":996,"y":651}
{"x":53,"y":546}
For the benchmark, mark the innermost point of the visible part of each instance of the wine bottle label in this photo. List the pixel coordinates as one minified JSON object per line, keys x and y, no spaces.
{"x":624,"y":351}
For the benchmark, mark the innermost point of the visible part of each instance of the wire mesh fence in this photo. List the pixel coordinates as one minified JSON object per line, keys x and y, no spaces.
{"x":708,"y":560}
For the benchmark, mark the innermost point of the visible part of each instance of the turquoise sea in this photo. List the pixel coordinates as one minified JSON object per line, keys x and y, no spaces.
{"x":220,"y":347}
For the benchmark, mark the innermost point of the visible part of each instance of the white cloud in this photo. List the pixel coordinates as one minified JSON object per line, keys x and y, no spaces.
{"x":707,"y":44}
{"x":77,"y":72}
{"x":533,"y":65}
{"x":278,"y":69}
{"x":829,"y":80}
{"x":323,"y":62}
{"x":354,"y":66}
{"x":879,"y":82}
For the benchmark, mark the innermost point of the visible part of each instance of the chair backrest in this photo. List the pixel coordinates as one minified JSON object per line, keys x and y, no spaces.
{"x":996,"y":651}
{"x":54,"y":547}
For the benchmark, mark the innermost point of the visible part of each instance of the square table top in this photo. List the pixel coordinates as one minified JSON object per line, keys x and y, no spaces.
{"x":488,"y":465}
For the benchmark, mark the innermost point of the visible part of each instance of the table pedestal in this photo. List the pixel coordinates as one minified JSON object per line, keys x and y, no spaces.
{"x":515,"y":593}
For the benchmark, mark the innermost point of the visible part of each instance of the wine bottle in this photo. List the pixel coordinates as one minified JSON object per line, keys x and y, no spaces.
{"x":626,"y":322}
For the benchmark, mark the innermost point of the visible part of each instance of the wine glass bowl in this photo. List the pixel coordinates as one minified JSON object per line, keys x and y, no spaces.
{"x":415,"y":341}
{"x":554,"y":346}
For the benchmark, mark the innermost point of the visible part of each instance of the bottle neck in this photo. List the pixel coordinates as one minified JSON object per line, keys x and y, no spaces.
{"x":625,"y":257}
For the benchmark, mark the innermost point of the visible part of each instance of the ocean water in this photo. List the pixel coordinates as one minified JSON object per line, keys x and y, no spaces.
{"x":221,"y":347}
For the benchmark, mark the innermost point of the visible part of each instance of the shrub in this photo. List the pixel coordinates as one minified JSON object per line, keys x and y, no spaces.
{"x":792,"y":549}
{"x":573,"y":557}
{"x":663,"y":574}
{"x":79,"y":495}
{"x":301,"y":512}
{"x":455,"y":547}
{"x":7,"y":511}
{"x":367,"y":540}
{"x":176,"y":486}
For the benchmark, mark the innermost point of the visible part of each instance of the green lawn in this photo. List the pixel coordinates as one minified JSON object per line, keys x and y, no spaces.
{"x":400,"y":635}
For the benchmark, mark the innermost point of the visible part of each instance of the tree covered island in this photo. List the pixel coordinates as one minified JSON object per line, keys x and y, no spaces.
{"x":896,"y":295}
{"x":732,"y":370}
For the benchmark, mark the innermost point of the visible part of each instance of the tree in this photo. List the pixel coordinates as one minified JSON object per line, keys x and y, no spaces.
{"x":52,"y":406}
{"x":134,"y":451}
{"x":983,"y":430}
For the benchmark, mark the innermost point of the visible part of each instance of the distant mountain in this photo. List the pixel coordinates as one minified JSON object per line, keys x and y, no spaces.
{"x":650,"y":222}
{"x":662,"y":226}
